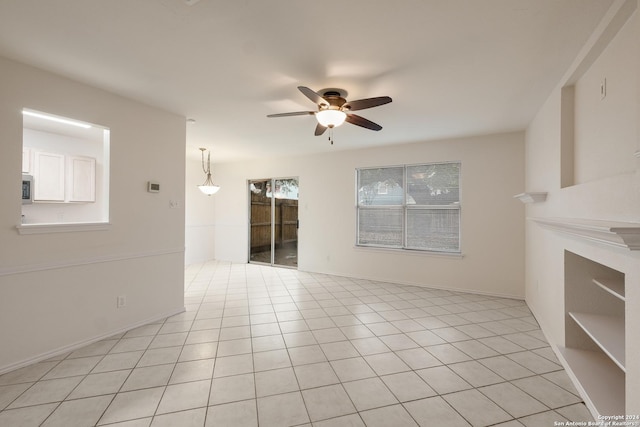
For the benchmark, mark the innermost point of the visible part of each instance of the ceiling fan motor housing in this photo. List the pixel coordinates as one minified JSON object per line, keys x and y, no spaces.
{"x":334,"y":98}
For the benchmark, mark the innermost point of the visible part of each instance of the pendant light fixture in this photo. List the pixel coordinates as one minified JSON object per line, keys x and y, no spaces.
{"x":208,"y":187}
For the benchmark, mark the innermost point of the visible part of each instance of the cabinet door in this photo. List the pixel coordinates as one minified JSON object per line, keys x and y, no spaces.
{"x":26,"y":160}
{"x":48,"y":176}
{"x":82,"y":179}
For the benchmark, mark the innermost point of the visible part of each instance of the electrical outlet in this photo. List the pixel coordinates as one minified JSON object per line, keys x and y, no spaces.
{"x":121,"y":302}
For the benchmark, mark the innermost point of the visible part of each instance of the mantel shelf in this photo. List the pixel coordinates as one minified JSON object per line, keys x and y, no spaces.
{"x":619,"y":234}
{"x":531,"y":197}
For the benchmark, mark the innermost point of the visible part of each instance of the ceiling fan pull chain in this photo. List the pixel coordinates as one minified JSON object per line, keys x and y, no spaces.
{"x":331,"y":135}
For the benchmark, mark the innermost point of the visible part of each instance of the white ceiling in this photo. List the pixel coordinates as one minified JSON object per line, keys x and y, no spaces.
{"x":453,"y":67}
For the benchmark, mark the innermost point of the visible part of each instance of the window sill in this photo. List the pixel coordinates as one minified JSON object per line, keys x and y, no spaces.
{"x":411,"y":252}
{"x":62,"y":228}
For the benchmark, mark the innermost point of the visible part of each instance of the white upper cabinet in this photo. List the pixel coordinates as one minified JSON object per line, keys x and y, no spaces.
{"x":26,"y":161}
{"x":60,"y":178}
{"x":49,"y":176}
{"x":81,"y":179}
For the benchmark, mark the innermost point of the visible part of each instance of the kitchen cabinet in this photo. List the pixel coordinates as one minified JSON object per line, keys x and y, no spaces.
{"x":26,"y":161}
{"x":49,"y":176}
{"x":81,"y":179}
{"x":62,"y":178}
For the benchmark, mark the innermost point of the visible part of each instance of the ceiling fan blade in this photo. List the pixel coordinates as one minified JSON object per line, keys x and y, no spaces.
{"x":296,"y":113}
{"x":314,"y":96}
{"x":361,"y":104}
{"x":319,"y":129}
{"x":361,"y":121}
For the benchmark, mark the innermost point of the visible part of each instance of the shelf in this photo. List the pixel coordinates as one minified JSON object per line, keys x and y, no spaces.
{"x":615,"y":233}
{"x":601,"y":380}
{"x":607,"y":332}
{"x":614,"y":287}
{"x":531,"y":197}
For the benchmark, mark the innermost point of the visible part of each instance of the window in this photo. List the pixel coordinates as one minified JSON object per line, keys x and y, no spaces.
{"x":410,"y":207}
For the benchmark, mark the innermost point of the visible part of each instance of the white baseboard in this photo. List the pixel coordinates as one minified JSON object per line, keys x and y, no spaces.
{"x":79,"y":344}
{"x":419,"y":285}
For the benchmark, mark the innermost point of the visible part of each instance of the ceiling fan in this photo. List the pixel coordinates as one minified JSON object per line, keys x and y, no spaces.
{"x":334,"y":109}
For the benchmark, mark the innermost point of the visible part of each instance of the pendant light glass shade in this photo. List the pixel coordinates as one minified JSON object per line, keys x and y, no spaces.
{"x":207,"y":187}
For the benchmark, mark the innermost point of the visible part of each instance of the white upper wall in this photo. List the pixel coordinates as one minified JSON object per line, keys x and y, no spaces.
{"x":605,"y":123}
{"x":61,"y":288}
{"x":492,"y":221}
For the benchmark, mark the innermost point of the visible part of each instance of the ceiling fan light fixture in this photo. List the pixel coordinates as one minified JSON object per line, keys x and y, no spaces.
{"x":331,"y":118}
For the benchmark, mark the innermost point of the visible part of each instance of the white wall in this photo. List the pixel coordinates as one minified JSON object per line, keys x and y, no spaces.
{"x":604,"y":123}
{"x":607,"y":183}
{"x":492,"y":221}
{"x":59,"y":290}
{"x":199,"y":215}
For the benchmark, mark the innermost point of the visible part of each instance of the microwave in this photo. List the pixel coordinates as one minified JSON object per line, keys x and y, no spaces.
{"x":27,"y":189}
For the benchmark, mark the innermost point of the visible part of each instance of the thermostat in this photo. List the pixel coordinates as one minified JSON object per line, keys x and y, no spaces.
{"x":153,"y":187}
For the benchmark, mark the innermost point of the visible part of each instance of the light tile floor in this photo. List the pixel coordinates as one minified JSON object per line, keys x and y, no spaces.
{"x":277,"y":347}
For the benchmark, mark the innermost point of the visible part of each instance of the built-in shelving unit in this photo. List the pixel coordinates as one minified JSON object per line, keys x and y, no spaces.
{"x":602,"y":381}
{"x":606,"y":331}
{"x":595,"y":332}
{"x":614,"y":287}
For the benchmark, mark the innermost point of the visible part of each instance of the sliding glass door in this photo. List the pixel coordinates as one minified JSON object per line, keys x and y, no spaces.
{"x":273,"y":221}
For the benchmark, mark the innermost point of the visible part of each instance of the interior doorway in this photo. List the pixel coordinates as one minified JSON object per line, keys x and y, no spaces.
{"x":273,"y":221}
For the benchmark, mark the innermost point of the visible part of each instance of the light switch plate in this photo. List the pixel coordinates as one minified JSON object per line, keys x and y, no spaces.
{"x":153,"y":187}
{"x":121,"y":301}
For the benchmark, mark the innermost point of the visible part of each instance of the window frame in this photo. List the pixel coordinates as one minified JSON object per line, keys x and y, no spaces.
{"x":406,"y":208}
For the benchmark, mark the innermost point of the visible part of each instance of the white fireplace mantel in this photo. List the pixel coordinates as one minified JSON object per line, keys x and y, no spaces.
{"x":620,"y":234}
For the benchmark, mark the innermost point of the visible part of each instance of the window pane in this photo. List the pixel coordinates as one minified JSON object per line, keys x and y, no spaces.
{"x":380,"y":227}
{"x":434,"y":184}
{"x":381,"y":186}
{"x":286,"y":189}
{"x":433,"y":229}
